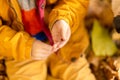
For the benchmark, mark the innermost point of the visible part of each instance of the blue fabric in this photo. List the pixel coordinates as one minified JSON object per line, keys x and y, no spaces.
{"x":41,"y":36}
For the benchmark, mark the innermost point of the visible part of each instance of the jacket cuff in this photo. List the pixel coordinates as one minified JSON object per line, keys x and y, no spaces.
{"x":29,"y":48}
{"x":56,"y":15}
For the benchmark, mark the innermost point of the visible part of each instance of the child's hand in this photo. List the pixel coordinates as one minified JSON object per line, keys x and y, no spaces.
{"x":41,"y":50}
{"x":60,"y":33}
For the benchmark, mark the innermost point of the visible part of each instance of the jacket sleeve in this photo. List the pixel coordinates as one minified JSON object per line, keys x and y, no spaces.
{"x":13,"y":44}
{"x":72,"y":11}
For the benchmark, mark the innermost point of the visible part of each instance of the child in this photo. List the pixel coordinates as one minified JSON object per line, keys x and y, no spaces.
{"x":22,"y":26}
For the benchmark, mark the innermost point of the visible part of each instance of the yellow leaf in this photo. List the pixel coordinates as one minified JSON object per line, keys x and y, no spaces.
{"x":102,"y":43}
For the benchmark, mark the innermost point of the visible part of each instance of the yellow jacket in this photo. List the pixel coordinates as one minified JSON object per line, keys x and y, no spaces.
{"x":16,"y":43}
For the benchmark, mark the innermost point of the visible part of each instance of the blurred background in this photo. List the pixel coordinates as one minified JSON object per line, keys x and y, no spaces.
{"x":103,"y":24}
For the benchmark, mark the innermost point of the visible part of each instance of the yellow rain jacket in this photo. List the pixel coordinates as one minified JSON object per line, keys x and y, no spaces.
{"x":16,"y":43}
